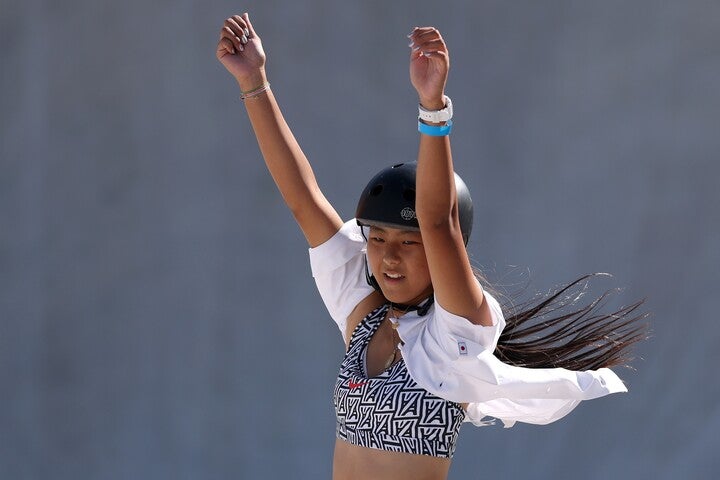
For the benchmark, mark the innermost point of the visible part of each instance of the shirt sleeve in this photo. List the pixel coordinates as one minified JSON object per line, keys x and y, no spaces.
{"x":454,"y":359}
{"x":463,"y":337}
{"x":535,"y":411}
{"x":338,"y":267}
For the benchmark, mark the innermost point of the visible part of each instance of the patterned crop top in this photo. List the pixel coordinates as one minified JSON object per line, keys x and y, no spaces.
{"x":390,"y":411}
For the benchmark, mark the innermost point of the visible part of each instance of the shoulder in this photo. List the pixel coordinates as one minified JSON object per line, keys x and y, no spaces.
{"x":345,"y":244}
{"x":443,"y":333}
{"x":338,"y":267}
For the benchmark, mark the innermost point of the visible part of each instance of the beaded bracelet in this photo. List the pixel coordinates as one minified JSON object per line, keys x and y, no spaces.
{"x":255,"y":91}
{"x":435,"y":130}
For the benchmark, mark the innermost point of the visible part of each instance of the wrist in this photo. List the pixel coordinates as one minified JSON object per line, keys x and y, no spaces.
{"x":436,"y":101}
{"x":432,"y":103}
{"x":251,"y":82}
{"x":443,"y":113}
{"x":435,"y":129}
{"x":438,"y":121}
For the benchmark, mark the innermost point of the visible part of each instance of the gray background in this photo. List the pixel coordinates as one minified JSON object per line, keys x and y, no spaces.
{"x":157,"y":314}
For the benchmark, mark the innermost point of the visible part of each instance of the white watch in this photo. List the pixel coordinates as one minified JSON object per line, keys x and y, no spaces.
{"x":437,"y":116}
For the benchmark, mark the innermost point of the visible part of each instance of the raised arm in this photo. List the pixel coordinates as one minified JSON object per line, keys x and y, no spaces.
{"x":240,"y":51}
{"x":454,"y":283}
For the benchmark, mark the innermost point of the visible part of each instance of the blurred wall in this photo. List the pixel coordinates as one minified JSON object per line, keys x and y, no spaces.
{"x":157,"y":314}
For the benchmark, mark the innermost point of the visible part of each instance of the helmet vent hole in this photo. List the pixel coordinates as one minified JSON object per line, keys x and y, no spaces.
{"x":409,"y":194}
{"x":376,"y":190}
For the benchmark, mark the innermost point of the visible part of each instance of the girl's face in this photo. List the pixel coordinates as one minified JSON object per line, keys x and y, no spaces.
{"x":397,"y":259}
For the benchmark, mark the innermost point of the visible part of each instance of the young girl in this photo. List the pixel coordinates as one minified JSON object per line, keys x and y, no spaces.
{"x":427,"y":346}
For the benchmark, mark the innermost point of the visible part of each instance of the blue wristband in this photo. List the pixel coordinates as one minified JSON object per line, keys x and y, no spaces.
{"x":435,"y":130}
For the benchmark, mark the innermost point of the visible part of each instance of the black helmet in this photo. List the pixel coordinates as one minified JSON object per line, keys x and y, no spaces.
{"x":389,"y":200}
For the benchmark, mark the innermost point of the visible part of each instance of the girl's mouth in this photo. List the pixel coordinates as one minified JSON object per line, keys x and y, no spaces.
{"x":393,"y":276}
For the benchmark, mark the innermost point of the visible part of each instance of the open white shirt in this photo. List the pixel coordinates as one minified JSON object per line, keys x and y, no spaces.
{"x":452,"y":358}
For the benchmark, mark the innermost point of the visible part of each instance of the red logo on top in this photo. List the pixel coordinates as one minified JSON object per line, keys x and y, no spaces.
{"x":354,"y":385}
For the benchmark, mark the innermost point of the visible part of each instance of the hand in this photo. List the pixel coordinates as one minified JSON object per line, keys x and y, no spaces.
{"x":241,"y":53}
{"x":429,"y":66}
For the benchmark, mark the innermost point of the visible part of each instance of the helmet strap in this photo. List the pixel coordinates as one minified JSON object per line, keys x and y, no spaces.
{"x":422,"y":308}
{"x":371,"y":278}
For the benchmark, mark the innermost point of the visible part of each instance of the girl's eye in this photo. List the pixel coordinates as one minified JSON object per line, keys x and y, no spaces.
{"x":376,"y":239}
{"x":410,"y":242}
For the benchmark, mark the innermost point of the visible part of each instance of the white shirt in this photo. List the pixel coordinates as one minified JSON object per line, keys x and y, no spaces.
{"x":452,"y":358}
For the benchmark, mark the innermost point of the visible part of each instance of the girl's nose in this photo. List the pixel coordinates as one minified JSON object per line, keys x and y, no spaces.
{"x":391,"y":257}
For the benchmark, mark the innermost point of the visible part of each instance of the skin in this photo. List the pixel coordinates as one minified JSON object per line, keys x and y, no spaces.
{"x":397,"y":259}
{"x":408,"y":265}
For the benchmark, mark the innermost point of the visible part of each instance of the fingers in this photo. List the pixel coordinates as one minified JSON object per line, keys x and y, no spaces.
{"x":427,"y":41}
{"x":236,"y":30}
{"x":242,"y":30}
{"x":225,"y":45}
{"x":228,"y":35}
{"x":251,"y":30}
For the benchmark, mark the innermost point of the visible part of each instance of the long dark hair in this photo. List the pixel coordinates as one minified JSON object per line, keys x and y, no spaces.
{"x":562,"y":329}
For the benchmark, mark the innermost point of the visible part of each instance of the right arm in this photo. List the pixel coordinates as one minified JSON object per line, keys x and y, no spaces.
{"x":240,"y":51}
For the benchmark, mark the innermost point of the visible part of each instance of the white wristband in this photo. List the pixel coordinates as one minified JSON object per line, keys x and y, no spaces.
{"x":437,"y":116}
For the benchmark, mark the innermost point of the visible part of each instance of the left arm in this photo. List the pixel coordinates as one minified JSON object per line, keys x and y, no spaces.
{"x":454,"y":283}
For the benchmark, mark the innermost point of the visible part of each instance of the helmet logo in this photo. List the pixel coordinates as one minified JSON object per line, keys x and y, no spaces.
{"x":407,"y":213}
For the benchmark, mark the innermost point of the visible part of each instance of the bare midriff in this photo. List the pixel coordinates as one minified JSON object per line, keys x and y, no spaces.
{"x":352,"y":462}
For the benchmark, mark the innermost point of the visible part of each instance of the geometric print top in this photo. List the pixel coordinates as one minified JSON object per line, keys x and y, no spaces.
{"x":390,"y":411}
